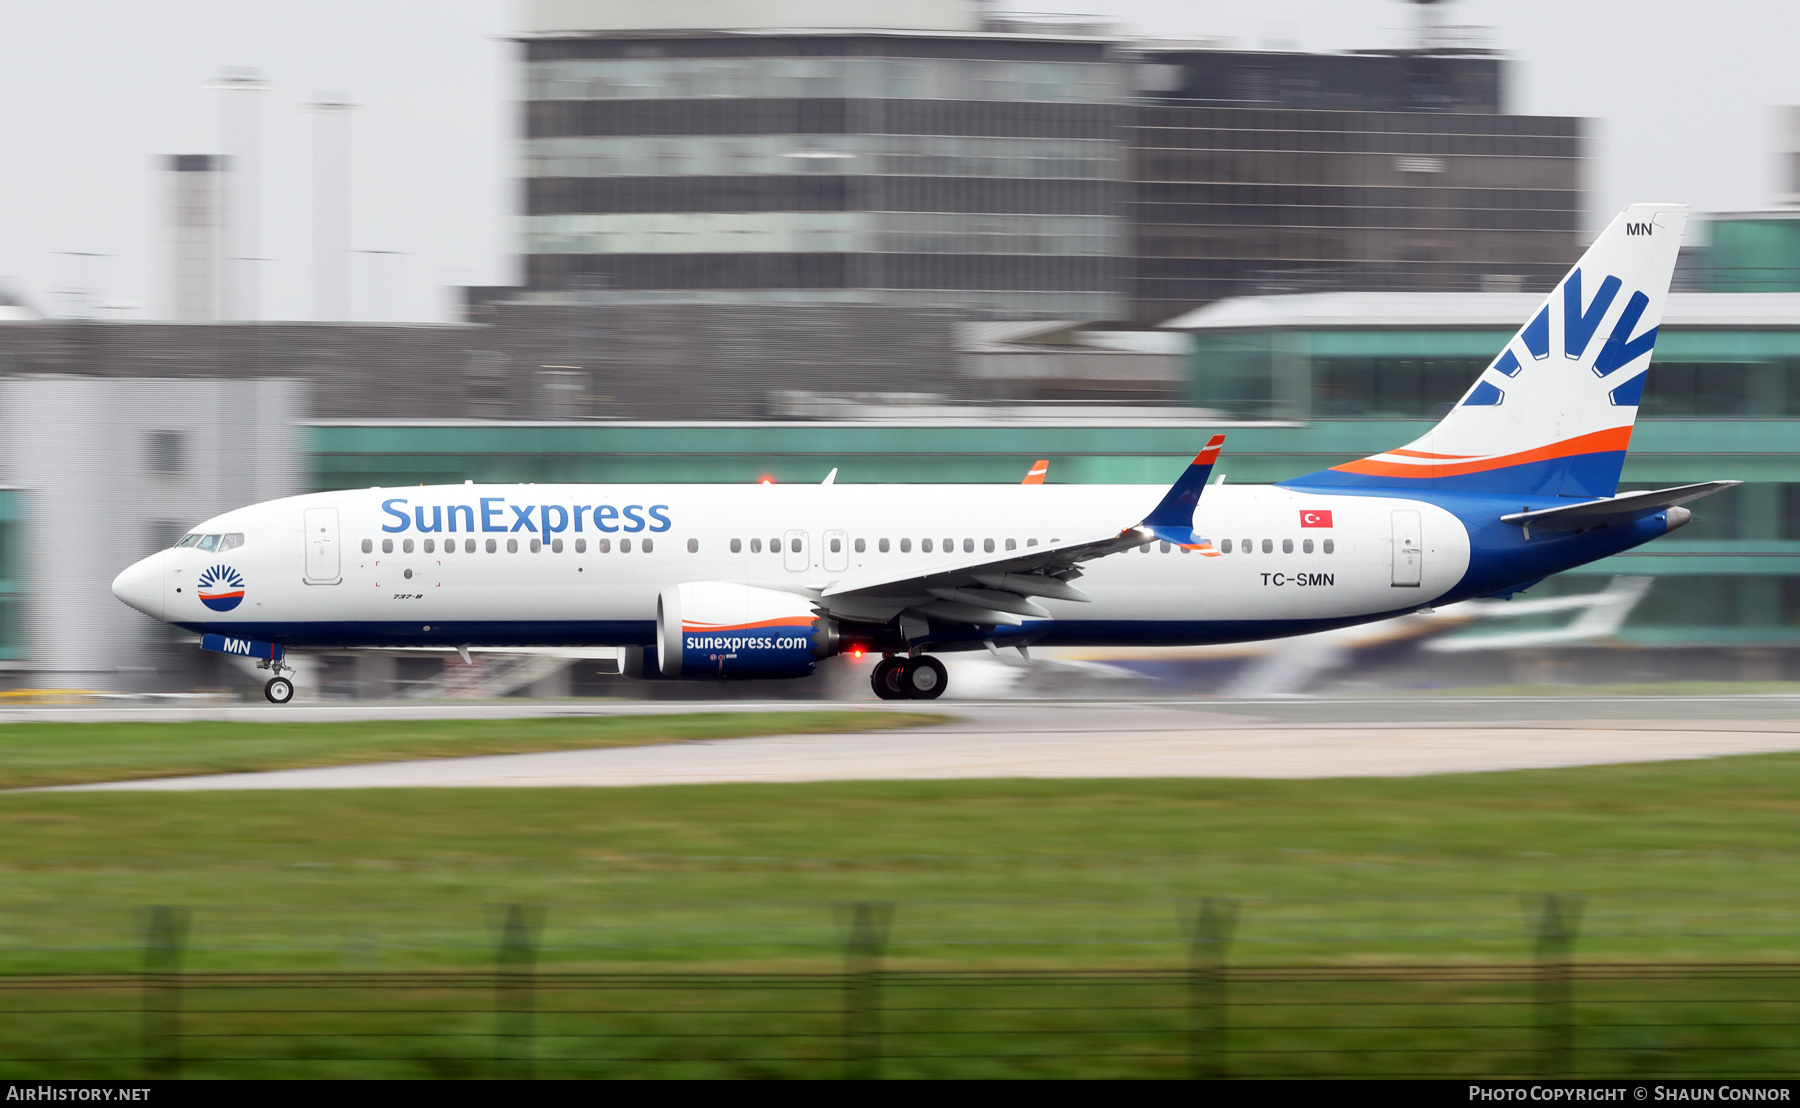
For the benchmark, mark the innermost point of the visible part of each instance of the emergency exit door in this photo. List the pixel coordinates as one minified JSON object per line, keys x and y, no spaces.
{"x":795,"y":551}
{"x":1409,"y":553}
{"x":322,"y":547}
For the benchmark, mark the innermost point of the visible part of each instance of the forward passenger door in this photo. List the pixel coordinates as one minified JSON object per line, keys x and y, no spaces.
{"x":322,"y":561}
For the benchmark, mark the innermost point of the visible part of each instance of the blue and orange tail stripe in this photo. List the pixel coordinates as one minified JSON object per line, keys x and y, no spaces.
{"x":1574,"y":466}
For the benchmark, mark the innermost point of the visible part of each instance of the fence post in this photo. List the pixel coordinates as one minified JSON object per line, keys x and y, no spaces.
{"x":514,"y":997}
{"x":165,"y":934}
{"x":1558,"y":918}
{"x":862,"y":988}
{"x":1209,"y":934}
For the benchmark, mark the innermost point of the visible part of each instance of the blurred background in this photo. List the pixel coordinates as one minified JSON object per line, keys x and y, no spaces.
{"x":248,"y":253}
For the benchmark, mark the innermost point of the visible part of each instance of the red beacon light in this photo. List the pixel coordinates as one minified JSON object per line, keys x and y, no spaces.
{"x":766,"y":481}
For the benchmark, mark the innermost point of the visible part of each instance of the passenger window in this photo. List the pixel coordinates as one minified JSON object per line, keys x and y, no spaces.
{"x":1306,"y":546}
{"x":775,"y":546}
{"x":430,"y":546}
{"x":693,"y":546}
{"x":793,"y":545}
{"x":537,"y":546}
{"x":556,"y":546}
{"x":737,"y":546}
{"x":1287,"y":546}
{"x":1030,"y":542}
{"x":906,"y":546}
{"x":603,"y":546}
{"x":861,"y":546}
{"x":649,"y":545}
{"x":209,"y":542}
{"x":987,"y":546}
{"x":1225,"y":546}
{"x":469,"y":546}
{"x":925,"y":545}
{"x":187,"y":540}
{"x":387,"y":546}
{"x":837,"y":546}
{"x":1249,"y":546}
{"x":756,"y":546}
{"x":624,"y":546}
{"x":949,"y":546}
{"x":581,"y":546}
{"x":969,"y":545}
{"x":1268,"y":546}
{"x":512,"y":546}
{"x":491,"y":547}
{"x":368,"y":546}
{"x":1165,"y":548}
{"x":1144,"y":549}
{"x":231,"y":542}
{"x":406,"y":545}
{"x":882,"y":546}
{"x":1012,"y":544}
{"x":1329,"y":546}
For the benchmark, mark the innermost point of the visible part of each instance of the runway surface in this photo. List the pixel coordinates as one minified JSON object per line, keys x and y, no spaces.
{"x":1065,"y":739}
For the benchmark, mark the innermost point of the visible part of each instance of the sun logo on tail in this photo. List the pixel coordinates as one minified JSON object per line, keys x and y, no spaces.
{"x":220,"y":588}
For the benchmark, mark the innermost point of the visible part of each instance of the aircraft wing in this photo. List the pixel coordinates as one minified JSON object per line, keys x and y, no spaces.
{"x":1003,"y":588}
{"x":989,"y":589}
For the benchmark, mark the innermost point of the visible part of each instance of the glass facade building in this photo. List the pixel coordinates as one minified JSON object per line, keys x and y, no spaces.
{"x":981,"y":171}
{"x":1025,"y":176}
{"x":1267,"y":173}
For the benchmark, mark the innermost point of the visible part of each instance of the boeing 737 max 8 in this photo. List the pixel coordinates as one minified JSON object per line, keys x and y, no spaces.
{"x":1518,"y":481}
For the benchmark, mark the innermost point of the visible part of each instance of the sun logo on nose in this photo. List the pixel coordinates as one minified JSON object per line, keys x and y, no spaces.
{"x":220,"y":588}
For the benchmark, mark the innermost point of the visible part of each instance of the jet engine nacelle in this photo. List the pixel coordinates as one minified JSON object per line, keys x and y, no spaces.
{"x":724,"y":629}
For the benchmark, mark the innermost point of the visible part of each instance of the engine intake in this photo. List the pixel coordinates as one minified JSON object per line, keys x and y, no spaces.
{"x":724,"y":629}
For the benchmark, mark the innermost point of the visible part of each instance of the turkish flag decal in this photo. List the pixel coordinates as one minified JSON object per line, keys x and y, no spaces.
{"x":1312,"y":517}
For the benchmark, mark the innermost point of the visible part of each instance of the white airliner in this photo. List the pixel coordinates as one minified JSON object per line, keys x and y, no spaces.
{"x":1519,"y":481}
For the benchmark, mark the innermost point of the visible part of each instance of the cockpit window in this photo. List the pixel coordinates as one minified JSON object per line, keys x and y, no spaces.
{"x":209,"y":542}
{"x":188,"y":540}
{"x":231,"y":541}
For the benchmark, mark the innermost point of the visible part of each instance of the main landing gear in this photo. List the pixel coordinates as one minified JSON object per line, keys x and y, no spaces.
{"x":920,"y":678}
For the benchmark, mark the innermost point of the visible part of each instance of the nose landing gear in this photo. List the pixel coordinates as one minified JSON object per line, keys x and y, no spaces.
{"x":920,"y":678}
{"x":277,"y":689}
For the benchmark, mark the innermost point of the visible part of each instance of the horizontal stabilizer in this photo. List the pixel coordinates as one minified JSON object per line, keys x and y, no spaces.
{"x":1614,"y":509}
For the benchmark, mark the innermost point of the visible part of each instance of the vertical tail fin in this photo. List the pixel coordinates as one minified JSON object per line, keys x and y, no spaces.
{"x":1552,"y":414}
{"x":1035,"y":475}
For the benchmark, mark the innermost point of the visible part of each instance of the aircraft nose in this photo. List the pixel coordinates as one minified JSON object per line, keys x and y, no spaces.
{"x":141,"y":586}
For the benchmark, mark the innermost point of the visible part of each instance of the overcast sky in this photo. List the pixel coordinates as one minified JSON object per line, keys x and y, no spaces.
{"x":95,"y":91}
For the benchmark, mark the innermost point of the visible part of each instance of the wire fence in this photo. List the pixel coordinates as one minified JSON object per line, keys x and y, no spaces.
{"x":1551,"y":1016}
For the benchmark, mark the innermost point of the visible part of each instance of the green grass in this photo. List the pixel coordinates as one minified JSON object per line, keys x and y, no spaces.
{"x":37,"y":754}
{"x":1695,"y":861}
